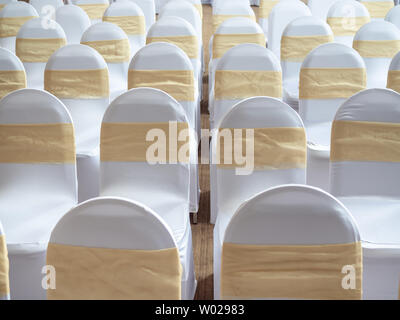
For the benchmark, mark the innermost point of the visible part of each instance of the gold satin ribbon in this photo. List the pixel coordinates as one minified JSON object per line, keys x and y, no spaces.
{"x":378,"y":9}
{"x":95,"y":11}
{"x":393,"y":81}
{"x":218,"y":19}
{"x":113,"y":51}
{"x":223,"y":42}
{"x":132,"y":25}
{"x":126,"y":142}
{"x":331,"y":83}
{"x":289,"y":271}
{"x":177,"y":83}
{"x":189,"y":44}
{"x":37,"y":50}
{"x":199,"y":8}
{"x":37,"y":143}
{"x":266,"y":7}
{"x":4,"y":268}
{"x":365,"y":141}
{"x":296,"y":48}
{"x":85,"y":273}
{"x":346,"y":26}
{"x":77,"y":84}
{"x":274,"y":148}
{"x":377,"y":48}
{"x":11,"y":80}
{"x":240,"y":84}
{"x":10,"y":26}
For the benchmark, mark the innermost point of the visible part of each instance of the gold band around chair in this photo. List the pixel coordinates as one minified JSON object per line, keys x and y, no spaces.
{"x":393,"y":81}
{"x":296,"y":48}
{"x":290,"y":271}
{"x":365,"y":141}
{"x":77,"y":84}
{"x":219,"y":19}
{"x":85,"y":273}
{"x":37,"y":143}
{"x":132,"y":25}
{"x":240,"y":84}
{"x":378,"y":9}
{"x":113,"y":51}
{"x":377,"y":48}
{"x":223,"y":42}
{"x":274,"y":148}
{"x":37,"y":50}
{"x":189,"y":44}
{"x":10,"y":26}
{"x":11,"y":80}
{"x":266,"y":7}
{"x":95,"y":11}
{"x":332,"y":83}
{"x":4,"y":268}
{"x":177,"y":83}
{"x":132,"y":142}
{"x":346,"y":26}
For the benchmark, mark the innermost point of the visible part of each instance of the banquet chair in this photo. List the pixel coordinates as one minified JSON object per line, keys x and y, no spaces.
{"x":94,"y":8}
{"x":130,"y":168}
{"x":198,"y":5}
{"x":329,"y":75}
{"x":12,"y":73}
{"x":4,"y":267}
{"x":74,"y":21}
{"x":46,"y":8}
{"x":275,"y":154}
{"x":139,"y":256}
{"x":320,"y":8}
{"x":291,"y":242}
{"x":393,"y":16}
{"x":281,"y":15}
{"x":38,"y":184}
{"x":378,"y":8}
{"x":78,"y":75}
{"x":298,"y":39}
{"x":12,"y":17}
{"x":263,"y":13}
{"x":377,"y":42}
{"x":148,"y":8}
{"x":164,"y":66}
{"x":35,"y":43}
{"x":3,"y":3}
{"x":130,"y":18}
{"x":393,"y":79}
{"x":346,"y":17}
{"x":112,"y":43}
{"x":365,"y":175}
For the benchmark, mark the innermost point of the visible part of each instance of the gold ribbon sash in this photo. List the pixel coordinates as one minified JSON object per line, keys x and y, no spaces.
{"x":365,"y":141}
{"x":77,"y":84}
{"x":177,"y":83}
{"x":240,"y":84}
{"x":132,"y":25}
{"x":37,"y":143}
{"x":274,"y":148}
{"x":11,"y":80}
{"x":289,"y":271}
{"x":85,"y":273}
{"x":266,"y":7}
{"x":113,"y":51}
{"x":346,"y":26}
{"x":37,"y":50}
{"x":131,"y":142}
{"x":95,"y":11}
{"x":199,"y":8}
{"x":10,"y":26}
{"x":218,"y":19}
{"x":189,"y":44}
{"x":377,"y":48}
{"x":393,"y":81}
{"x":296,"y":48}
{"x":378,"y":9}
{"x":4,"y":268}
{"x":332,"y":83}
{"x":223,"y":42}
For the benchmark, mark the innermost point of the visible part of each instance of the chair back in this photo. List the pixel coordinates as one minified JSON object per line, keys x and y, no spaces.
{"x":74,"y":21}
{"x":12,"y":73}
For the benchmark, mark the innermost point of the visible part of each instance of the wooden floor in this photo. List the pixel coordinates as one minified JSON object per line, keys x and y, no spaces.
{"x":203,"y":230}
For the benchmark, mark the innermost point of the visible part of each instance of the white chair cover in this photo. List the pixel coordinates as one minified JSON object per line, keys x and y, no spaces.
{"x":46,"y":8}
{"x":393,"y":16}
{"x":94,"y":8}
{"x":320,"y":8}
{"x":149,"y":10}
{"x":36,"y":192}
{"x":3,"y":3}
{"x":368,"y":185}
{"x":12,"y":73}
{"x":74,"y":21}
{"x":161,"y":187}
{"x":4,"y":267}
{"x":263,"y":13}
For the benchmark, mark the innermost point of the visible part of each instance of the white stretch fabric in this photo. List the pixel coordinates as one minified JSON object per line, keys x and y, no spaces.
{"x":46,"y":8}
{"x":263,"y":20}
{"x":92,"y":2}
{"x":34,"y":195}
{"x":74,"y":22}
{"x":233,"y":189}
{"x":9,"y":62}
{"x":3,"y":277}
{"x":292,"y":215}
{"x":370,"y":190}
{"x":161,"y":187}
{"x":393,"y":16}
{"x":148,"y":9}
{"x":318,"y":114}
{"x":320,"y":8}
